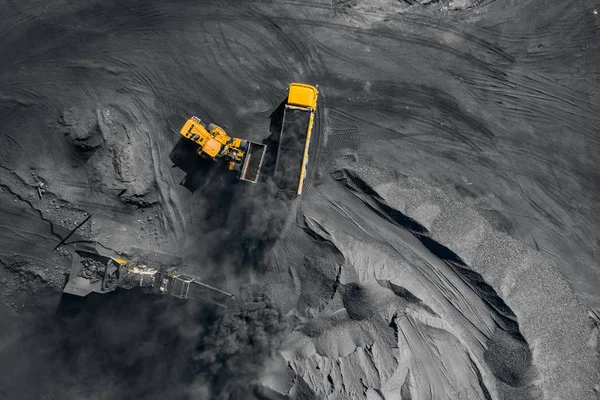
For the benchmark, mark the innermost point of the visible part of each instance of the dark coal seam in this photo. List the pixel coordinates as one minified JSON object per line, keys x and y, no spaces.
{"x":394,"y":326}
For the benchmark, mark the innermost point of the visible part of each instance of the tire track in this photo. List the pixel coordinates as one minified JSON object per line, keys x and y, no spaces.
{"x":394,"y":134}
{"x":539,"y":105}
{"x":292,"y":21}
{"x":441,"y":25}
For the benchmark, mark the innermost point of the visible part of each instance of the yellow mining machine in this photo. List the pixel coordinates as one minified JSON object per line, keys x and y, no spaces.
{"x":246,"y":157}
{"x":213,"y":142}
{"x":93,"y":271}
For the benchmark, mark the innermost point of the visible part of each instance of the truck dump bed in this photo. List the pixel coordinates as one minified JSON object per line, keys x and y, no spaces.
{"x":293,"y":149}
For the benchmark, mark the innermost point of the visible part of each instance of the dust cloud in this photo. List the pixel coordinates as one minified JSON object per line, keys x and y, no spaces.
{"x":231,"y":354}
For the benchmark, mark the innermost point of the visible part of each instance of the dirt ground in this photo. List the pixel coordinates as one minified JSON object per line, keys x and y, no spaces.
{"x":445,"y":246}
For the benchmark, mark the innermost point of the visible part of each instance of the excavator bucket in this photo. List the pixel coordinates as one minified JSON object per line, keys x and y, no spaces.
{"x":253,"y":159}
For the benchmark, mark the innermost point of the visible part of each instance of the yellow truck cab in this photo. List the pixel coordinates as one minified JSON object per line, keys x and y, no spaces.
{"x":303,"y":95}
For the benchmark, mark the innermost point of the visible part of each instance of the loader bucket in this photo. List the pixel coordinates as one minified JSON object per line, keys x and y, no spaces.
{"x":253,"y":162}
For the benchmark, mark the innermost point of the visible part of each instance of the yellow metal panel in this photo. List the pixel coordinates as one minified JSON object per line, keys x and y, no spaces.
{"x":194,"y":131}
{"x":303,"y":95}
{"x":212,"y":147}
{"x":187,"y":127}
{"x":219,"y":134}
{"x":305,"y":158}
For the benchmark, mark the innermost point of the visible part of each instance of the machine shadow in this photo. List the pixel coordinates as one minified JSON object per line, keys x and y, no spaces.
{"x":199,"y":171}
{"x":272,"y":143}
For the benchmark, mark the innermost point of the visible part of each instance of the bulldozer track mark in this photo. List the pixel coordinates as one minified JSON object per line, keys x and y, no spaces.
{"x":342,"y":56}
{"x":295,"y":41}
{"x":442,"y":26}
{"x":517,"y":90}
{"x":258,"y":36}
{"x":285,"y":39}
{"x":472,"y":142}
{"x":369,"y":32}
{"x":282,"y":72}
{"x":174,"y":216}
{"x":540,"y":106}
{"x":230,"y":52}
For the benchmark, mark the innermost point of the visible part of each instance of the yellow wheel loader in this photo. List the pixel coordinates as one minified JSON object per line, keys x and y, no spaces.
{"x":213,"y":142}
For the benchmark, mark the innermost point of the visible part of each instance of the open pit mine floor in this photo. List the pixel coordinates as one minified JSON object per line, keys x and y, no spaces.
{"x":445,"y":245}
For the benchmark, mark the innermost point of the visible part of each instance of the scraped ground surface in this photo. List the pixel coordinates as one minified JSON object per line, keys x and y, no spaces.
{"x":445,"y":246}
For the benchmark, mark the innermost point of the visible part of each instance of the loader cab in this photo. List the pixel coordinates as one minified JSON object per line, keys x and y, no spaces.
{"x":303,"y":95}
{"x":211,"y":148}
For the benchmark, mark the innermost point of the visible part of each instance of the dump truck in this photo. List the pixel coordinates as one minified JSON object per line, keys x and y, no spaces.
{"x":153,"y":272}
{"x":213,"y":142}
{"x":294,"y":138}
